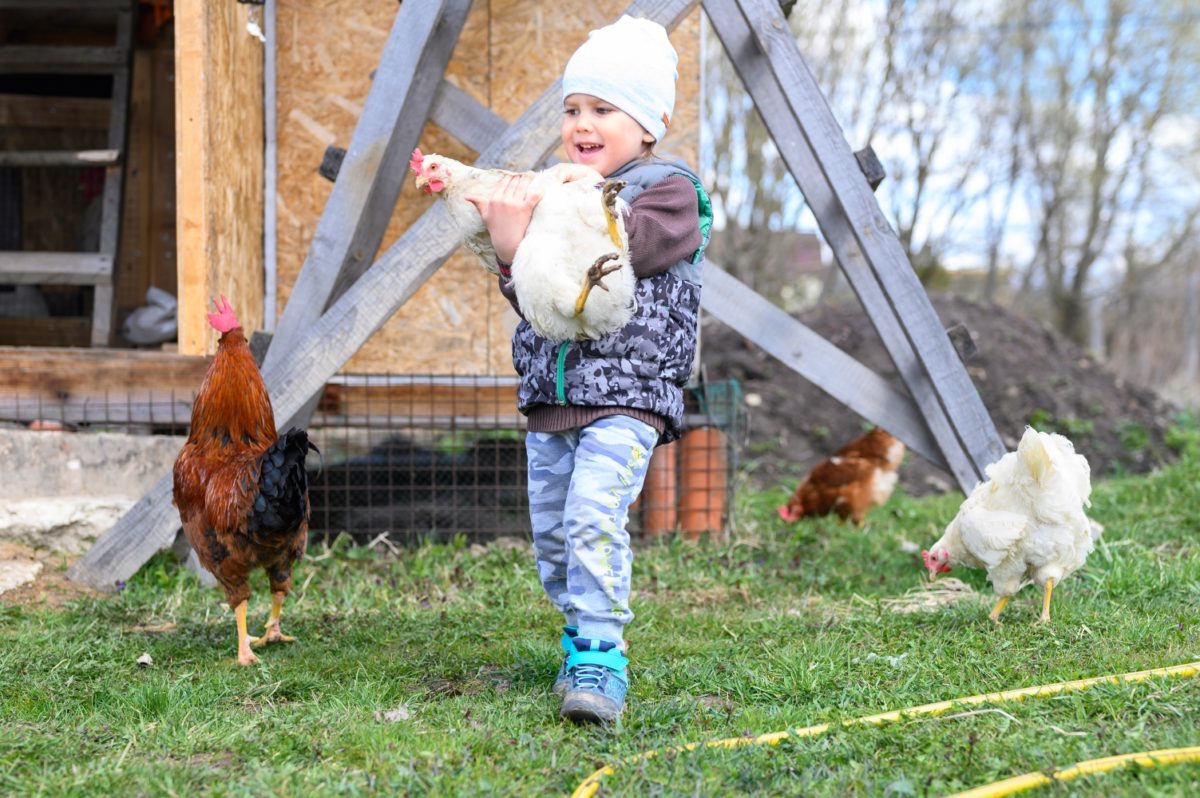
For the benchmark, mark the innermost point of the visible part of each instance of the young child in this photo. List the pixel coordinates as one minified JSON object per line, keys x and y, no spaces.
{"x":597,"y":408}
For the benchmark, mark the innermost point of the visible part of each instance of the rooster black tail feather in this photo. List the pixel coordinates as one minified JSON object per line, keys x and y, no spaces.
{"x":281,"y":503}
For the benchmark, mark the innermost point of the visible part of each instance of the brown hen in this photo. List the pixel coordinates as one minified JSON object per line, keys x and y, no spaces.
{"x":859,"y":476}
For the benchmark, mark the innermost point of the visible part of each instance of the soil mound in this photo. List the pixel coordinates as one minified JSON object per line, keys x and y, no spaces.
{"x":1026,"y":373}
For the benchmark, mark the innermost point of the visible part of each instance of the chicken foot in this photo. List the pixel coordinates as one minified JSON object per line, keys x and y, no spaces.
{"x":594,"y":277}
{"x":245,"y":656}
{"x":272,"y":634}
{"x":994,"y":615}
{"x":608,"y":197}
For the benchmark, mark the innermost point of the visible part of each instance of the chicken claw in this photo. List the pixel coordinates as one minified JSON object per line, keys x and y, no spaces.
{"x":994,"y":615}
{"x":609,"y":198}
{"x":595,"y":277}
{"x":272,"y":634}
{"x":245,"y":655}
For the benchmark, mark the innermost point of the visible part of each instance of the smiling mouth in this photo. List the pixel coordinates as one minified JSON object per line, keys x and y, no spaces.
{"x":588,"y":149}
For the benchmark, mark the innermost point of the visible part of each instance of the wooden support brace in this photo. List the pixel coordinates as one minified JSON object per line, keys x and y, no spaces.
{"x":818,"y":361}
{"x":865,"y":245}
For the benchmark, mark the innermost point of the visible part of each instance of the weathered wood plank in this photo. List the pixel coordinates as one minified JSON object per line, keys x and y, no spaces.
{"x":298,"y":373}
{"x":374,"y":167}
{"x":26,"y":110}
{"x":55,"y":268}
{"x":463,"y":117}
{"x":878,"y":241}
{"x":26,"y":59}
{"x":103,"y":299}
{"x":841,"y":232}
{"x":60,"y":158}
{"x":818,"y":361}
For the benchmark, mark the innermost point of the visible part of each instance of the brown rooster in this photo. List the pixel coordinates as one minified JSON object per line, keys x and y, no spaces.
{"x":859,"y":476}
{"x":241,"y":490}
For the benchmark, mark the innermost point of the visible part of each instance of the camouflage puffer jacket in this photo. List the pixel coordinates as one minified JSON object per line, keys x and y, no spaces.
{"x":647,"y":362}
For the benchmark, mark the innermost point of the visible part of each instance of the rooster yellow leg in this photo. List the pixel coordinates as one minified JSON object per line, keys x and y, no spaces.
{"x":995,"y":613}
{"x":245,"y":655}
{"x":595,"y":274}
{"x":609,"y":201}
{"x":1046,"y":600}
{"x":272,"y":633}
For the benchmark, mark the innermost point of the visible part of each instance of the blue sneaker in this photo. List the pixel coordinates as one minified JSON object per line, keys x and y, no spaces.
{"x":564,"y":671}
{"x":597,"y":682}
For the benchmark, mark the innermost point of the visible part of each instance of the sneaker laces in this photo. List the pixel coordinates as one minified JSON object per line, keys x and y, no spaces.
{"x":590,"y":677}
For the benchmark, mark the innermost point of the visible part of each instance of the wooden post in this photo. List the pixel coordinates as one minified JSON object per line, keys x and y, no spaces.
{"x":218,"y":168}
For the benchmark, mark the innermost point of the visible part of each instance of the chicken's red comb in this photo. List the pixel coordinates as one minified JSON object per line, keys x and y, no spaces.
{"x":224,"y":319}
{"x":925,"y":557}
{"x":416,"y":164}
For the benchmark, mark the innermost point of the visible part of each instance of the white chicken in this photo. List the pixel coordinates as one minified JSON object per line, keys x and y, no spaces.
{"x":1025,"y":523}
{"x":576,"y":241}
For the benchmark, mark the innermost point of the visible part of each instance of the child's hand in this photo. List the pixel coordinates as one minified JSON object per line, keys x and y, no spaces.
{"x":507,"y":212}
{"x":570,"y":172}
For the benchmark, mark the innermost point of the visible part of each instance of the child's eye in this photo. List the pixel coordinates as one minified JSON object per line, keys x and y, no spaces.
{"x":570,"y":111}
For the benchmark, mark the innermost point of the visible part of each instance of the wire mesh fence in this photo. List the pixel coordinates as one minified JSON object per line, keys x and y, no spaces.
{"x":419,"y":457}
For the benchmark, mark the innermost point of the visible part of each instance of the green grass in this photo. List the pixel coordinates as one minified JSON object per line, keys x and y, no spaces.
{"x":782,"y":628}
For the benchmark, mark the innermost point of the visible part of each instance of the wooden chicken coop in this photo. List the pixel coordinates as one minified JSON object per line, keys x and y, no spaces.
{"x":215,"y":171}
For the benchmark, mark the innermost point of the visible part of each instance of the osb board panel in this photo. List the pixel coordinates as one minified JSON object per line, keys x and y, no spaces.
{"x":421,"y":400}
{"x":219,"y":145}
{"x":509,"y":52}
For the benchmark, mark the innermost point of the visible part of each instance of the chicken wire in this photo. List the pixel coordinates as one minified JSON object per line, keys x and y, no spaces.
{"x":432,"y":457}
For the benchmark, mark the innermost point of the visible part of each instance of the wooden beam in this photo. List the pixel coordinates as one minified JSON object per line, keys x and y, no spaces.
{"x":55,"y":268}
{"x":374,"y":168}
{"x":27,"y":110}
{"x":300,"y":372}
{"x":818,"y":361}
{"x":463,"y":117}
{"x":84,"y":373}
{"x":103,"y":299}
{"x":60,"y":158}
{"x":30,"y":59}
{"x":44,"y":331}
{"x":845,"y":232}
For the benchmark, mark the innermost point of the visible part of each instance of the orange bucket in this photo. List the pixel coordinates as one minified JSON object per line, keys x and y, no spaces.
{"x":702,"y":481}
{"x":660,"y":494}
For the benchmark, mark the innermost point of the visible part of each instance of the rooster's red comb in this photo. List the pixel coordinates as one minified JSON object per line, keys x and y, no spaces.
{"x":416,"y":163}
{"x":224,"y":319}
{"x":925,"y":557}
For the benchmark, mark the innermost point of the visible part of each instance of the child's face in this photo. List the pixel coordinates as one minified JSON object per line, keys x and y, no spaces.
{"x":596,"y":133}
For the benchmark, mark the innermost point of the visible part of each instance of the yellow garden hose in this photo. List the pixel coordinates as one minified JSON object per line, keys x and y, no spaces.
{"x":1145,"y":759}
{"x":591,"y":784}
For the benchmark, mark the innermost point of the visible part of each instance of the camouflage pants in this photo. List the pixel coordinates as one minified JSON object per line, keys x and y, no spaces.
{"x":581,"y":483}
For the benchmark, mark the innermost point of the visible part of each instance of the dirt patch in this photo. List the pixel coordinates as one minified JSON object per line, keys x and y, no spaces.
{"x":1024,"y":371}
{"x":50,"y":588}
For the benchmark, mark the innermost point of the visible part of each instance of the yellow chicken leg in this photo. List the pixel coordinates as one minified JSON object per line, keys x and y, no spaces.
{"x":272,"y":634}
{"x":608,"y":198}
{"x":994,"y":615}
{"x":1046,"y":601}
{"x":594,"y":277}
{"x":245,"y":655}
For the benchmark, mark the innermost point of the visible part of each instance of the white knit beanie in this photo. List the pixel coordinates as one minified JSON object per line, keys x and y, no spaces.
{"x":630,"y":64}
